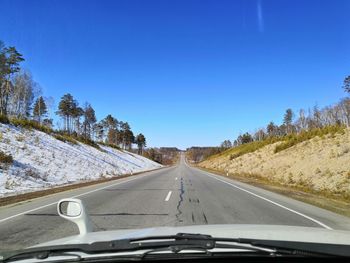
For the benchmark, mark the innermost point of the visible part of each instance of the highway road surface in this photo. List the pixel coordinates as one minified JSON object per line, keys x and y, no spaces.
{"x":174,"y":196}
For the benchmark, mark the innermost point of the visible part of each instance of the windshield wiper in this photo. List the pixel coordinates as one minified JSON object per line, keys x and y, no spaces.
{"x":178,"y":243}
{"x":244,"y":246}
{"x":123,"y":245}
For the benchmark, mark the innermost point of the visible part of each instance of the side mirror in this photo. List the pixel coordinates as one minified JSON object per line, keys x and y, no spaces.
{"x":74,"y":210}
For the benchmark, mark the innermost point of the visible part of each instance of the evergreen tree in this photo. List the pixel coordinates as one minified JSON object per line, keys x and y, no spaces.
{"x":40,"y":109}
{"x":110,"y":125}
{"x":48,"y":123}
{"x":346,"y":84}
{"x":271,"y":129}
{"x":226,"y":144}
{"x":112,"y":136}
{"x":9,"y":64}
{"x":287,"y":120}
{"x":129,"y":138}
{"x":66,"y":109}
{"x":124,"y":134}
{"x":282,"y":130}
{"x":246,"y":138}
{"x":99,"y":131}
{"x":77,"y":112}
{"x":110,"y":122}
{"x":140,"y":140}
{"x":89,"y":120}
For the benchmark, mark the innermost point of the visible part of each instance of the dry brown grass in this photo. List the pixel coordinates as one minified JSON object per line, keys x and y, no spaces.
{"x":5,"y":159}
{"x":320,"y":165}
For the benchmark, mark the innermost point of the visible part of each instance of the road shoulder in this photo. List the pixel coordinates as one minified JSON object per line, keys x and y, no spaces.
{"x":284,"y":197}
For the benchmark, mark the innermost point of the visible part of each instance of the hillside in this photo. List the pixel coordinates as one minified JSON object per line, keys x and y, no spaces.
{"x":320,"y":164}
{"x":41,"y":161}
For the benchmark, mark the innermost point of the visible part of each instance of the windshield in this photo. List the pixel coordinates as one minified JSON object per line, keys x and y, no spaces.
{"x":222,"y":118}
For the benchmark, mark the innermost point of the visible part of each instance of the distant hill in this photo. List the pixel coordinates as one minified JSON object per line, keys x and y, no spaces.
{"x":197,"y":154}
{"x":168,"y":149}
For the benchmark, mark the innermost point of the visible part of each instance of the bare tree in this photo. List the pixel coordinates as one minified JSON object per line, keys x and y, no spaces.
{"x":260,"y":135}
{"x":317,"y":117}
{"x":302,"y":120}
{"x":344,"y":105}
{"x":25,"y":89}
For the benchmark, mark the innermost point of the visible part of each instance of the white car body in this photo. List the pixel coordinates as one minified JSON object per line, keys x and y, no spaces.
{"x":74,"y":210}
{"x":266,"y":232}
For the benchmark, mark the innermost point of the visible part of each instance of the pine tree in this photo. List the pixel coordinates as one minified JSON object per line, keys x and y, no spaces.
{"x":246,"y":138}
{"x":124,"y":136}
{"x":99,"y":131}
{"x":89,"y":120}
{"x":48,"y":123}
{"x":129,"y":138}
{"x":77,"y":112}
{"x":140,"y":140}
{"x":66,"y":109}
{"x":226,"y":144}
{"x":110,"y":124}
{"x":112,"y":136}
{"x":287,"y":120}
{"x":271,"y":129}
{"x":346,"y":84}
{"x":9,"y":64}
{"x":40,"y":109}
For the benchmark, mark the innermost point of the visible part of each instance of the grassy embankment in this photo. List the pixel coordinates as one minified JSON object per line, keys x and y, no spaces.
{"x":313,"y":166}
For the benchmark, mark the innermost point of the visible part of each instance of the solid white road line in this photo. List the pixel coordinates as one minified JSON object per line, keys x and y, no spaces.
{"x":168,"y":196}
{"x":89,"y":192}
{"x":272,"y":202}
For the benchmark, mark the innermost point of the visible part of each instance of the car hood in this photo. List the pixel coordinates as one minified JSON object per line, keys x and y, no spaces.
{"x":266,"y":232}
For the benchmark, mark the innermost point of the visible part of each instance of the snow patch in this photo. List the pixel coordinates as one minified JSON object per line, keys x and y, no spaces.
{"x":41,"y":161}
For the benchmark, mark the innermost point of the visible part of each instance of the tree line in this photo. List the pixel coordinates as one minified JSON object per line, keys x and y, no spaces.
{"x":20,"y":98}
{"x":303,"y":120}
{"x":81,"y":121}
{"x":197,"y":154}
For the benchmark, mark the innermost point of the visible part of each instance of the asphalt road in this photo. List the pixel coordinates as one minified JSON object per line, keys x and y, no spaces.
{"x":173,"y":196}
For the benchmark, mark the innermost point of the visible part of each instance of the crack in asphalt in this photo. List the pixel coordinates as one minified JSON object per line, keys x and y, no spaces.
{"x":205,"y":218}
{"x":182,"y":191}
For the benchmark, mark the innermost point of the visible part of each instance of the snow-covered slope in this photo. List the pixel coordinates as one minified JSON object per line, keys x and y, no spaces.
{"x":41,"y":161}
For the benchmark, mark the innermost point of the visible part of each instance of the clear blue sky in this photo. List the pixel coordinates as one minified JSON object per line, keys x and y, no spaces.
{"x":185,"y":72}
